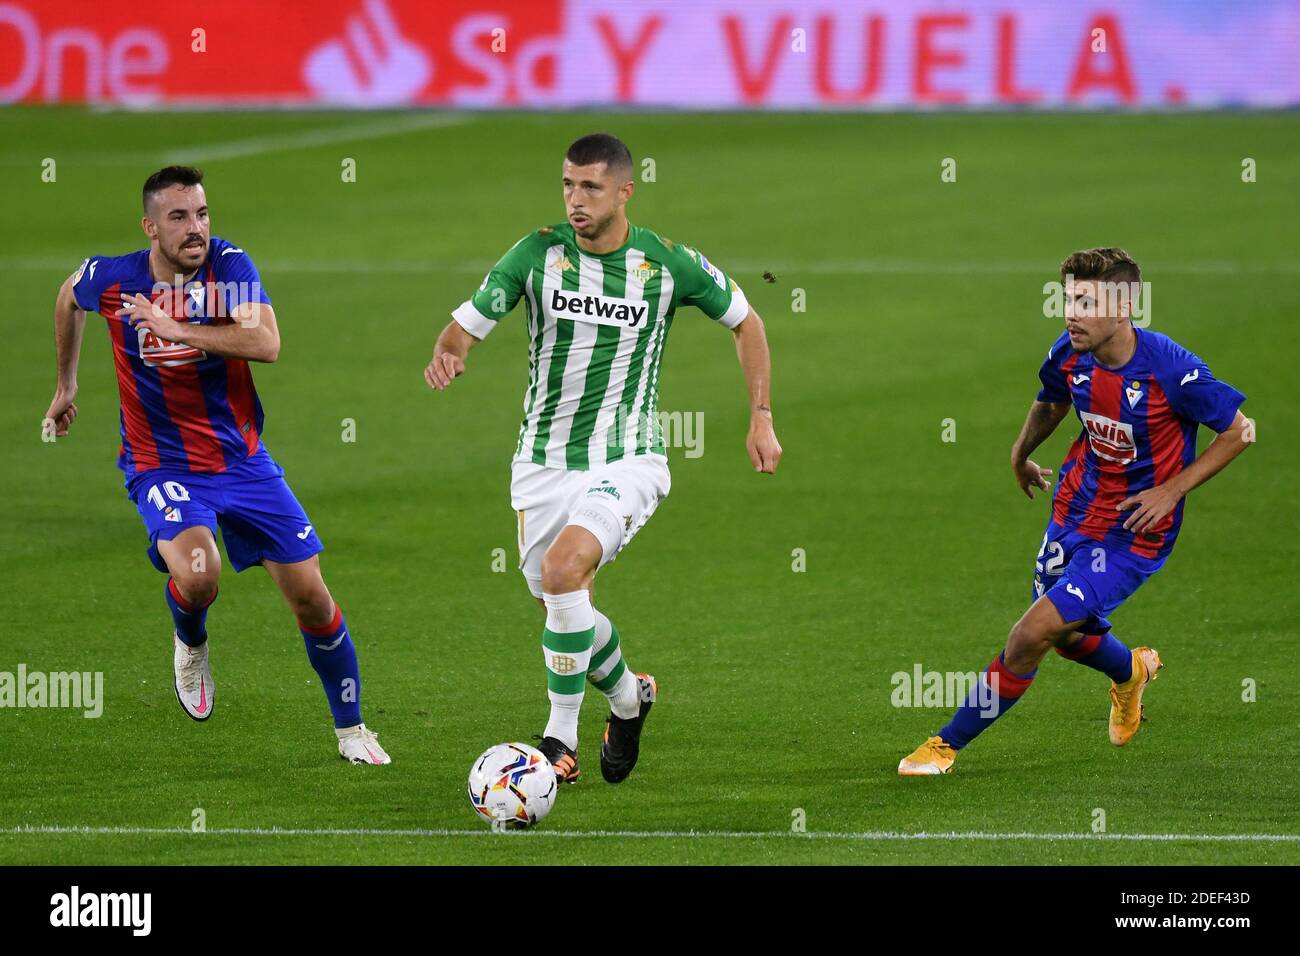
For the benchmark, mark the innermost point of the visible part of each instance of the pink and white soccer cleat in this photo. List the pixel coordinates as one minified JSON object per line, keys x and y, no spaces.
{"x":194,"y":688}
{"x":361,"y":745}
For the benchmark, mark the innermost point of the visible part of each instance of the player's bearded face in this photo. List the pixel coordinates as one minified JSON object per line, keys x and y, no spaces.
{"x":592,"y":199}
{"x":1092,"y":314}
{"x":180,"y":218}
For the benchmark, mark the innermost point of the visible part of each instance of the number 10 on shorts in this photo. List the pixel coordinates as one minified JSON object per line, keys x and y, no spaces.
{"x":175,"y":491}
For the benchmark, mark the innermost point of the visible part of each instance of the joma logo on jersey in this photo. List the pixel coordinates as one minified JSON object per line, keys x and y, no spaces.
{"x":156,"y":351}
{"x":1110,"y":439}
{"x":601,"y":309}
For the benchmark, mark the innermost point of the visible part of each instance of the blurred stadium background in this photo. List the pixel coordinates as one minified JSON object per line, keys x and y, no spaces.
{"x":561,"y":54}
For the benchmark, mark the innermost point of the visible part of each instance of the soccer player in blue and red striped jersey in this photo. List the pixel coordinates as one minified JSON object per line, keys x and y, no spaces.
{"x":1118,"y":505}
{"x":185,"y":317}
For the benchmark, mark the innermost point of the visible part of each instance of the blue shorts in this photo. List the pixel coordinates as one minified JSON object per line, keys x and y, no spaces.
{"x":258,"y":515}
{"x":1087,"y":579}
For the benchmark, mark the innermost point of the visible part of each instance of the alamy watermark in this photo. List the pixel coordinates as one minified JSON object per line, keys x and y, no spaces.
{"x":75,"y":908}
{"x":76,"y":690}
{"x":683,"y":430}
{"x":1107,"y":299}
{"x":947,"y":689}
{"x":197,"y":299}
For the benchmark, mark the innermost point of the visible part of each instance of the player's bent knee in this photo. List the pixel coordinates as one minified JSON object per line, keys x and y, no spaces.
{"x":1026,"y":637}
{"x":197,"y":587}
{"x":564,"y":569}
{"x":1067,"y":644}
{"x":314,"y":607}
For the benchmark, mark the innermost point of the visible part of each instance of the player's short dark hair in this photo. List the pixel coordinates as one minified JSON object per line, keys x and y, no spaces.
{"x":170,"y":176}
{"x":1108,"y":264}
{"x":602,"y":148}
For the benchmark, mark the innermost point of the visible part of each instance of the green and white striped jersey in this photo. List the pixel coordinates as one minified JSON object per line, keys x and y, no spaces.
{"x":596,"y":330}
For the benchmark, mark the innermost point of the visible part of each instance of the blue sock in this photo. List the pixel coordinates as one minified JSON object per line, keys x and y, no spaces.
{"x":1102,"y":652}
{"x":334,"y":657}
{"x":191,"y":619}
{"x":983,"y":707}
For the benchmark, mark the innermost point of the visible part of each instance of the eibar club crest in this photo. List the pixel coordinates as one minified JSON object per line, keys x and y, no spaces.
{"x":1134,"y":393}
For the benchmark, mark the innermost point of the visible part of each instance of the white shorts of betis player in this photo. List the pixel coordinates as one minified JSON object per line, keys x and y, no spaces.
{"x":612,"y":501}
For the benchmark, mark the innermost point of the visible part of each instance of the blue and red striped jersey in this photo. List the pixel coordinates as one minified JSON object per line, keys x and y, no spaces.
{"x":181,"y":408}
{"x":1139,"y":430}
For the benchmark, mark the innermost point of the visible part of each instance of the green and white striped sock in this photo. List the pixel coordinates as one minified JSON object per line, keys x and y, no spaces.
{"x":566,"y":647}
{"x":609,"y":673}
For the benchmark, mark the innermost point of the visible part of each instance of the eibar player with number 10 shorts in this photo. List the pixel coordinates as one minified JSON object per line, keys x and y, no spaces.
{"x":185,"y":317}
{"x":590,"y":467}
{"x":1118,"y":505}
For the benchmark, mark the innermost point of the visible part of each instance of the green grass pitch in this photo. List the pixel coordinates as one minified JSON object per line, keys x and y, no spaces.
{"x":924,"y":303}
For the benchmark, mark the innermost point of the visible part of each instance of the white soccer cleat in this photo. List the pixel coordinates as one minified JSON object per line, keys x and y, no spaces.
{"x":194,"y":688}
{"x":360,"y":745}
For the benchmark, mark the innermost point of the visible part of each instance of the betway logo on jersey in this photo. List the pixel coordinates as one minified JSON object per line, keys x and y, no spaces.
{"x":1110,"y":439}
{"x":158,"y":351}
{"x":600,"y":309}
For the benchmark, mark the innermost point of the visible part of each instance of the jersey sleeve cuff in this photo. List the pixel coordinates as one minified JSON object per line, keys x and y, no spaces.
{"x":473,"y":321}
{"x":1224,"y":422}
{"x":81,"y":290}
{"x":737,"y":311}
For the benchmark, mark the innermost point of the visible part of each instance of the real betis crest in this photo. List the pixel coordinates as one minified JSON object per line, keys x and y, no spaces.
{"x":643,"y":272}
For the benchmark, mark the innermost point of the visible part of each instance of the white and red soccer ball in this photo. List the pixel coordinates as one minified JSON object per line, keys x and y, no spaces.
{"x":512,"y":786}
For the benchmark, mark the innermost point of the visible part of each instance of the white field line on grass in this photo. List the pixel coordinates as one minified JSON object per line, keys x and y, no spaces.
{"x":786,"y":270}
{"x":864,"y":837}
{"x":349,"y":131}
{"x":307,"y":138}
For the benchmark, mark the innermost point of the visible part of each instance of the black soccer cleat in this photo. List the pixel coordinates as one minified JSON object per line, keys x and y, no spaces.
{"x":622,"y":744}
{"x":564,"y":760}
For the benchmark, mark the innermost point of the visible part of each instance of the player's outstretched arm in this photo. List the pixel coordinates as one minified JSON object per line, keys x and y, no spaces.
{"x":69,"y":325}
{"x":449,"y":356}
{"x":756,"y":362}
{"x":1039,"y":424}
{"x":253,"y":335}
{"x":1153,"y":504}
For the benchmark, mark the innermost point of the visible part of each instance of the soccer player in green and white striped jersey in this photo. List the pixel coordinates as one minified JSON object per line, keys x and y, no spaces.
{"x":590,"y":465}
